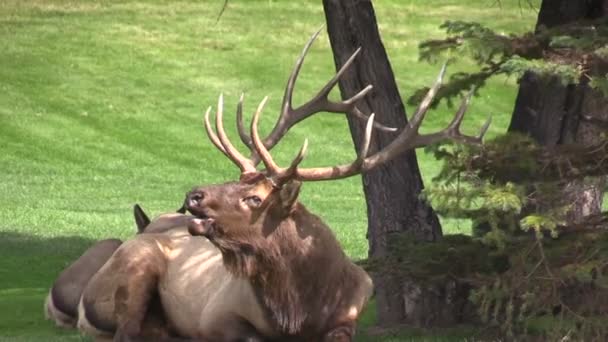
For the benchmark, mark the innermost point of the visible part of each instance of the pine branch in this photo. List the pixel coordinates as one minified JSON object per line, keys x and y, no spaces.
{"x":588,"y":223}
{"x":558,"y":163}
{"x":457,"y":84}
{"x":573,"y":52}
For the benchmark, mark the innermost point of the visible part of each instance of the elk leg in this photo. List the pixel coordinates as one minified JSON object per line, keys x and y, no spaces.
{"x":133,"y":298}
{"x":119,"y":294}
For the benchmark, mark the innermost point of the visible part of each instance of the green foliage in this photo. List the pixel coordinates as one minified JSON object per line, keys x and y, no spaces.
{"x":516,"y":65}
{"x":526,"y":221}
{"x":553,"y":288}
{"x":508,"y":198}
{"x":539,"y":223}
{"x":461,"y":190}
{"x":469,"y":38}
{"x":602,"y":52}
{"x":563,"y":52}
{"x":600,"y":82}
{"x":579,"y":37}
{"x":549,"y":288}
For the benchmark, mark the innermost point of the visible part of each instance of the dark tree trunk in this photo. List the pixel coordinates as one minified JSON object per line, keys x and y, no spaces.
{"x":559,"y":12}
{"x":392,"y":191}
{"x":553,"y":113}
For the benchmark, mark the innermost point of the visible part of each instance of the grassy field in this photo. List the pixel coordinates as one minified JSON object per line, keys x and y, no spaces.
{"x":101,"y":105}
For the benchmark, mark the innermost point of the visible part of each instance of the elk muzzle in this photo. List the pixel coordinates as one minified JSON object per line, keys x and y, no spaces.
{"x":202,"y":224}
{"x":194,"y":200}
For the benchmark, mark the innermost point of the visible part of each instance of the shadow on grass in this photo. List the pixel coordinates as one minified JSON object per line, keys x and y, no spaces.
{"x":29,"y":261}
{"x":28,"y":266}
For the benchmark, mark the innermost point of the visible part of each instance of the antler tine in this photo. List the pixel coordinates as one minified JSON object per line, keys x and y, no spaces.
{"x":341,"y":171}
{"x":300,"y":156}
{"x":464,"y":105}
{"x":409,"y":138}
{"x":260,"y":149}
{"x":293,"y":168}
{"x":418,"y":116}
{"x":245,"y":138}
{"x":211,"y":134}
{"x":278,"y":174}
{"x":367,"y":138}
{"x":484,"y":128}
{"x":453,"y":130}
{"x":322,"y":96}
{"x":229,"y":150}
{"x":291,"y":81}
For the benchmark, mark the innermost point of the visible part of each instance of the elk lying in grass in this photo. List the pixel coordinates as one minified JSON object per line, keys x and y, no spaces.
{"x":306,"y":285}
{"x":61,"y":304}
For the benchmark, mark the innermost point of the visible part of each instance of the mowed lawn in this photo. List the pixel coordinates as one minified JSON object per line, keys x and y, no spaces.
{"x":101,"y":105}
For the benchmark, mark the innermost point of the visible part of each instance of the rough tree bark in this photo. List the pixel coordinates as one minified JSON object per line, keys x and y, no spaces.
{"x":392,"y":191}
{"x":553,"y":113}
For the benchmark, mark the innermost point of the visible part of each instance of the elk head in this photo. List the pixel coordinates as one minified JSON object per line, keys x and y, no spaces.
{"x":239,"y":217}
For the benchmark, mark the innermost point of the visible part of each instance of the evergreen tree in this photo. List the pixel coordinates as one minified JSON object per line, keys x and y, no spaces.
{"x":535,"y":194}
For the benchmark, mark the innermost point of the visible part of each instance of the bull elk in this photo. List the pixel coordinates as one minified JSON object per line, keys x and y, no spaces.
{"x":307,"y":287}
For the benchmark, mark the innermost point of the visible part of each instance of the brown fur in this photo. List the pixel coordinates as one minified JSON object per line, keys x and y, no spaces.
{"x":121,"y":296}
{"x":310,"y":289}
{"x":62,"y":301}
{"x":197,"y":296}
{"x":120,"y":293}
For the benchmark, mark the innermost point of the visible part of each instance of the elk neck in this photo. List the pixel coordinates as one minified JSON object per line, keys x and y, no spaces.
{"x":299,"y":272}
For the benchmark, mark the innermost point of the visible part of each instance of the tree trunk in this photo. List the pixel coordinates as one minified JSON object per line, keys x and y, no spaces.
{"x":392,"y":191}
{"x":553,"y":113}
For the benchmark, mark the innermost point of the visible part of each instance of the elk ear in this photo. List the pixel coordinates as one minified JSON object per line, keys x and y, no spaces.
{"x":141,"y":219}
{"x":288,"y":194}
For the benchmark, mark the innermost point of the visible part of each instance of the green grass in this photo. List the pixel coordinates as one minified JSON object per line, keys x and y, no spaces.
{"x":101,"y":105}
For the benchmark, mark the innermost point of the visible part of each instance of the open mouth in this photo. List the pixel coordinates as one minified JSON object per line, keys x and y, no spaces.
{"x":201,"y":226}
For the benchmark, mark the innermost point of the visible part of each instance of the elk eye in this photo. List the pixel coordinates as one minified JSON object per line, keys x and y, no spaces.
{"x":254,"y":201}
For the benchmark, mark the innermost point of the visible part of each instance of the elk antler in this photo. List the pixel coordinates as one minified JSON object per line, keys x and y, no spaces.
{"x":222,"y":142}
{"x":409,"y":138}
{"x":290,"y":116}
